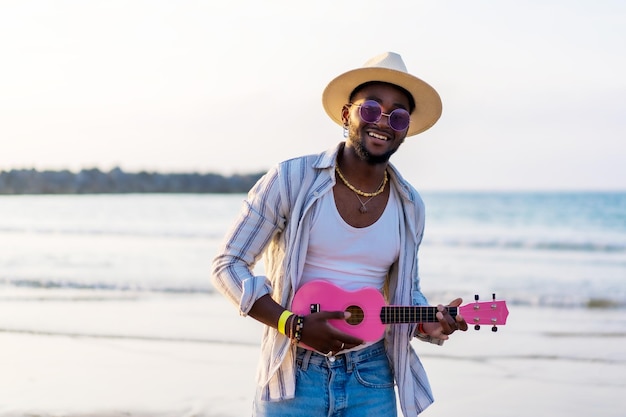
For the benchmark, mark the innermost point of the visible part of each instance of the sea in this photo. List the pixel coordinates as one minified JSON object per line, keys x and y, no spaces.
{"x":107,"y":308}
{"x":550,"y":249}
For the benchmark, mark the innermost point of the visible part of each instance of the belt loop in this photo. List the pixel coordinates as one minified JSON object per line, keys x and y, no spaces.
{"x":349,"y":362}
{"x":306,"y":359}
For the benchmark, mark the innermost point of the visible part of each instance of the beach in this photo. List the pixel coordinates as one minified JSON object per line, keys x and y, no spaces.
{"x":85,"y":353}
{"x":106,"y":306}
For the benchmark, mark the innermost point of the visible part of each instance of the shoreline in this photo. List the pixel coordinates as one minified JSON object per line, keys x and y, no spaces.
{"x":180,"y":355}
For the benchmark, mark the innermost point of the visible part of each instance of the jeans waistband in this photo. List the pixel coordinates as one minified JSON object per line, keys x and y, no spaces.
{"x":305,"y":357}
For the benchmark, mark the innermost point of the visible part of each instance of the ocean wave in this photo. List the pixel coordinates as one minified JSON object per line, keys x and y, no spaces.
{"x":177,"y":234}
{"x":150,"y":338}
{"x":100,"y":287}
{"x":41,"y":290}
{"x":569,"y":302}
{"x":527,"y":244}
{"x":598,"y":245}
{"x":531,"y":298}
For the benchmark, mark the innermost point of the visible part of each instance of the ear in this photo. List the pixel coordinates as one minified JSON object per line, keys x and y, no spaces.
{"x":345,"y":115}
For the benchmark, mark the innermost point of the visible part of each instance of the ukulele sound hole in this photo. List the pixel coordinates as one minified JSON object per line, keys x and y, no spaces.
{"x":356,"y":315}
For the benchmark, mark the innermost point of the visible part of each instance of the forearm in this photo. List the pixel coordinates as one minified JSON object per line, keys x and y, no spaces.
{"x":266,"y":311}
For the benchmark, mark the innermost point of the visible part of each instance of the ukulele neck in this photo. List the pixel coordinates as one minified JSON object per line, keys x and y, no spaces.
{"x":412,"y":314}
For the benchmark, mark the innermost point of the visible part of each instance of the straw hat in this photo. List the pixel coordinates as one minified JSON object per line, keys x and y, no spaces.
{"x":390,"y":68}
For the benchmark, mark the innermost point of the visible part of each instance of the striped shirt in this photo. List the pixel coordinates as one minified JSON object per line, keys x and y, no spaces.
{"x":274,"y":226}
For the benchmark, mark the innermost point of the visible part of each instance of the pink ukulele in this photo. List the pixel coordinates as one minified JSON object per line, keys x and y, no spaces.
{"x":370,"y":313}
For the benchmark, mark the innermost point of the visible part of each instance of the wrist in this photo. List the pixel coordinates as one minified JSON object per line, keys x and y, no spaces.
{"x":297,"y":323}
{"x":282,"y":321}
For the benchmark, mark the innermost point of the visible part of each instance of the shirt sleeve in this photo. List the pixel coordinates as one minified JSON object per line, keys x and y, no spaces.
{"x":418,"y":297}
{"x":258,"y":222}
{"x":427,"y":338}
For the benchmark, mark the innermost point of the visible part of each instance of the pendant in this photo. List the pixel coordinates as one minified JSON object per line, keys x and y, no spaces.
{"x":363,"y":209}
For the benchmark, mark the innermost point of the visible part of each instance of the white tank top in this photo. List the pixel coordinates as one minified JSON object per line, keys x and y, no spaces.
{"x":351,"y":257}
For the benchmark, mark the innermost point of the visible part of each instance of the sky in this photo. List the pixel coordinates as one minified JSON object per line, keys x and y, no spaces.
{"x":534,"y":92}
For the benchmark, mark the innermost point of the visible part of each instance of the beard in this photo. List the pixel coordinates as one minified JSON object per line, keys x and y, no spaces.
{"x":358,"y":143}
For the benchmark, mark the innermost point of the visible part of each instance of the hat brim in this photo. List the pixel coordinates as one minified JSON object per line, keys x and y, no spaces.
{"x":427,"y":101}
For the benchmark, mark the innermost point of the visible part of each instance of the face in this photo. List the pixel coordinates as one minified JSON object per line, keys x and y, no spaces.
{"x":374,"y":143}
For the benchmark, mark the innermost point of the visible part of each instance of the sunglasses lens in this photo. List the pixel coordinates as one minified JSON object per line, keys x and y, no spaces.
{"x":370,"y":111}
{"x":399,"y":119}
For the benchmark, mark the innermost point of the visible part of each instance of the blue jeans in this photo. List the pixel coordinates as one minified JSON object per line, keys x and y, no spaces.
{"x":355,"y":384}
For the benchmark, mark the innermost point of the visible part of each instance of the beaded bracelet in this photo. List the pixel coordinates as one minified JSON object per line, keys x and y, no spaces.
{"x":297,"y":332}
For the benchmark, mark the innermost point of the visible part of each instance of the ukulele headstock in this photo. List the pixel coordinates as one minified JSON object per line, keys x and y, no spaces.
{"x":492,"y":313}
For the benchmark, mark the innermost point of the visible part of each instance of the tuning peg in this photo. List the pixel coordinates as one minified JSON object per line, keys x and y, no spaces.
{"x":477,"y":327}
{"x":475,"y":297}
{"x":494,"y":329}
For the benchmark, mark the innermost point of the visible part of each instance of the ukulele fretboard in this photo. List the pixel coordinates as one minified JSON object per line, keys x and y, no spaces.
{"x":411,"y":314}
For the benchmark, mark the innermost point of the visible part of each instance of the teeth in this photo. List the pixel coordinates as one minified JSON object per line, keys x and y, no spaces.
{"x":377,"y":136}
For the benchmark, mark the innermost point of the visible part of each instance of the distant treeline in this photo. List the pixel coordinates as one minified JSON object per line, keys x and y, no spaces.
{"x":116,"y":181}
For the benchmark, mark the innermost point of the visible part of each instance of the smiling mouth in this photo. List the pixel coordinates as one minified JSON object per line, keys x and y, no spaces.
{"x":377,"y":136}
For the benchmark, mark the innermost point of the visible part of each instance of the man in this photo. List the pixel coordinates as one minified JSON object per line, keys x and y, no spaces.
{"x":346,"y":217}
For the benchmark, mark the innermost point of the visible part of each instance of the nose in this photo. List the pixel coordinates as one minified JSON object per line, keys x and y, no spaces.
{"x":384,"y":116}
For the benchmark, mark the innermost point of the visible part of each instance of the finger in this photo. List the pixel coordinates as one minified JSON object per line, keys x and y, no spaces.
{"x":338,"y":346}
{"x":456,"y":302}
{"x":339,"y":337}
{"x":448,"y":325}
{"x":334,"y":315}
{"x":341,"y":346}
{"x":439,"y":334}
{"x":348,"y":342}
{"x":444,"y":315}
{"x":461,"y":323}
{"x":348,"y":339}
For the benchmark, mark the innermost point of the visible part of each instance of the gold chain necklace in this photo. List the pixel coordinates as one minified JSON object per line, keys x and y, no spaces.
{"x":381,"y":188}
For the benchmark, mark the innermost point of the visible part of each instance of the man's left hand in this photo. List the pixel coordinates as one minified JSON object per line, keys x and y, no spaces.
{"x":446,"y":324}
